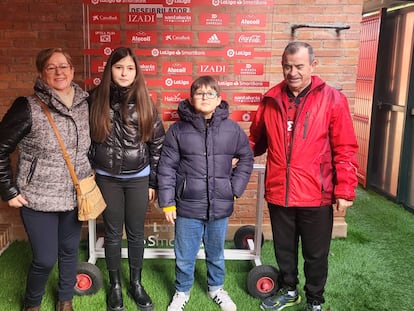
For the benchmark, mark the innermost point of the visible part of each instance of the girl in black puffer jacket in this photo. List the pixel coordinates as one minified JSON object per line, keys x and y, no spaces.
{"x":127,"y":136}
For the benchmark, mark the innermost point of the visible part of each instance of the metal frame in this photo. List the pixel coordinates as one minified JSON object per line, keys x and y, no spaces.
{"x":337,"y":27}
{"x":96,"y":249}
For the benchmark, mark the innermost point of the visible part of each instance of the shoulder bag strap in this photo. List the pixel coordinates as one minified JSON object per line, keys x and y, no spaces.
{"x":62,"y":145}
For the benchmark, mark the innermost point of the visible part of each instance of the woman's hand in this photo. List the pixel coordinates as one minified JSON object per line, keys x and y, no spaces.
{"x":17,"y":201}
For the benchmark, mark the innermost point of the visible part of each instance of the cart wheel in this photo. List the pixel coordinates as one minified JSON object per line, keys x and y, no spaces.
{"x":89,"y":279}
{"x":243,"y":234}
{"x":262,"y":281}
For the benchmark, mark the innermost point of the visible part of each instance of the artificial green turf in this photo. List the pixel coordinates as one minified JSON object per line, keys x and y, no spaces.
{"x":371,"y":269}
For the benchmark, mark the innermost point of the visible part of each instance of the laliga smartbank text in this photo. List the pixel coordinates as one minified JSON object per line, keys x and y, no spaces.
{"x":160,"y":236}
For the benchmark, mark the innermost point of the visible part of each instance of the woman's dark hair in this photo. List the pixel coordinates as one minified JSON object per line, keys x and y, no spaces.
{"x":44,"y":55}
{"x":100,"y":122}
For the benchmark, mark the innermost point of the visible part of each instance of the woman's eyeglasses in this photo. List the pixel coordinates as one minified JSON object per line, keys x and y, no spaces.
{"x":53,"y":68}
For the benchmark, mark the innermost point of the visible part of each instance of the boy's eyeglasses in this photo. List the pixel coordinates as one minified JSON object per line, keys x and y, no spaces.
{"x":53,"y":68}
{"x":208,"y":95}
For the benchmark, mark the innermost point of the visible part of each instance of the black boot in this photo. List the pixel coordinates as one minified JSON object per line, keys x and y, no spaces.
{"x":138,"y":292}
{"x":115,"y":301}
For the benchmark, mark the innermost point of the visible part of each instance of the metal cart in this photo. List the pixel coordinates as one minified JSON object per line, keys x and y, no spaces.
{"x":261,"y":280}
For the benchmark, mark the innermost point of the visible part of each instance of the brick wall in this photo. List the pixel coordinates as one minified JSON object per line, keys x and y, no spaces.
{"x":28,"y":26}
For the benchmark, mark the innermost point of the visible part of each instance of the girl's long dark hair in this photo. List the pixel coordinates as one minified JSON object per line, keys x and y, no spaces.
{"x":100,"y":123}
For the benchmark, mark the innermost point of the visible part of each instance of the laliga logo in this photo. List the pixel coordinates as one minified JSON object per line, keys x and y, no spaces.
{"x":96,"y":81}
{"x":155,"y":52}
{"x":246,"y":117}
{"x":169,"y":82}
{"x":95,"y":1}
{"x":107,"y":51}
{"x":230,"y":53}
{"x":169,"y":2}
{"x":215,"y":2}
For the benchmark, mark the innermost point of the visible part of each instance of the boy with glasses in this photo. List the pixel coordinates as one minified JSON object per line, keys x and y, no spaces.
{"x":197,"y":186}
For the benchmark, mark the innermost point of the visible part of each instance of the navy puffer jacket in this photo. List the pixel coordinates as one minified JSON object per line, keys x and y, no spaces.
{"x":195,"y":171}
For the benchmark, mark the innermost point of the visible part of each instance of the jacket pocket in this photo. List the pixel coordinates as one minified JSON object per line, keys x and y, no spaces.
{"x":321,"y":178}
{"x":224,"y":190}
{"x":180,"y":186}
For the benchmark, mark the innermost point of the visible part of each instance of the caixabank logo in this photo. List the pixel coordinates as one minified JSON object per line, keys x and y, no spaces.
{"x":104,"y":18}
{"x":177,"y":37}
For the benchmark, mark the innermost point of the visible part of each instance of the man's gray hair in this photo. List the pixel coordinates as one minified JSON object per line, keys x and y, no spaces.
{"x":294,"y":46}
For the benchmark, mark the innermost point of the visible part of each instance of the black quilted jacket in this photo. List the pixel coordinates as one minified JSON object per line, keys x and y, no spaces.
{"x":123,"y":152}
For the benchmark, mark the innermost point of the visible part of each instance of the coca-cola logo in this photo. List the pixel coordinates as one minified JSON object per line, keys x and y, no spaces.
{"x":250,"y":38}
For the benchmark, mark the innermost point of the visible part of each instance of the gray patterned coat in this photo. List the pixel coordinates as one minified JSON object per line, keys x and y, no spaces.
{"x":42,"y":174}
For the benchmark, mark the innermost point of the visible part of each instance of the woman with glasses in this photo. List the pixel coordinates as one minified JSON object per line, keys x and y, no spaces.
{"x":42,"y":188}
{"x":198,"y":185}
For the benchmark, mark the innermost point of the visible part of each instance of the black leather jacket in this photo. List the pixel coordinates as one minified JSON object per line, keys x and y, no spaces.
{"x":123,"y":152}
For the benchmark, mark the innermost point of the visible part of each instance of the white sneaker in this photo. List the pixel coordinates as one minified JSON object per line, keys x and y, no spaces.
{"x":178,"y":302}
{"x":222,"y":298}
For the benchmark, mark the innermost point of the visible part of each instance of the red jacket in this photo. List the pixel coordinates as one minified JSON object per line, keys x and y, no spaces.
{"x":322,"y":165}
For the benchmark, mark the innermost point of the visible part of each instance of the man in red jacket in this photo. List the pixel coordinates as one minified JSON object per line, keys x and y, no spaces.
{"x":306,"y":128}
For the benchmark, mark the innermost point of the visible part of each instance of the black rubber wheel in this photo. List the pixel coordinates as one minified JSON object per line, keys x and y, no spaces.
{"x":243,"y":234}
{"x":89,"y":279}
{"x":262,"y":281}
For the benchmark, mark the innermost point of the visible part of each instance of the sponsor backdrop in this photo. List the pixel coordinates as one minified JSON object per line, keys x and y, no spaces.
{"x":240,"y":42}
{"x":178,"y":40}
